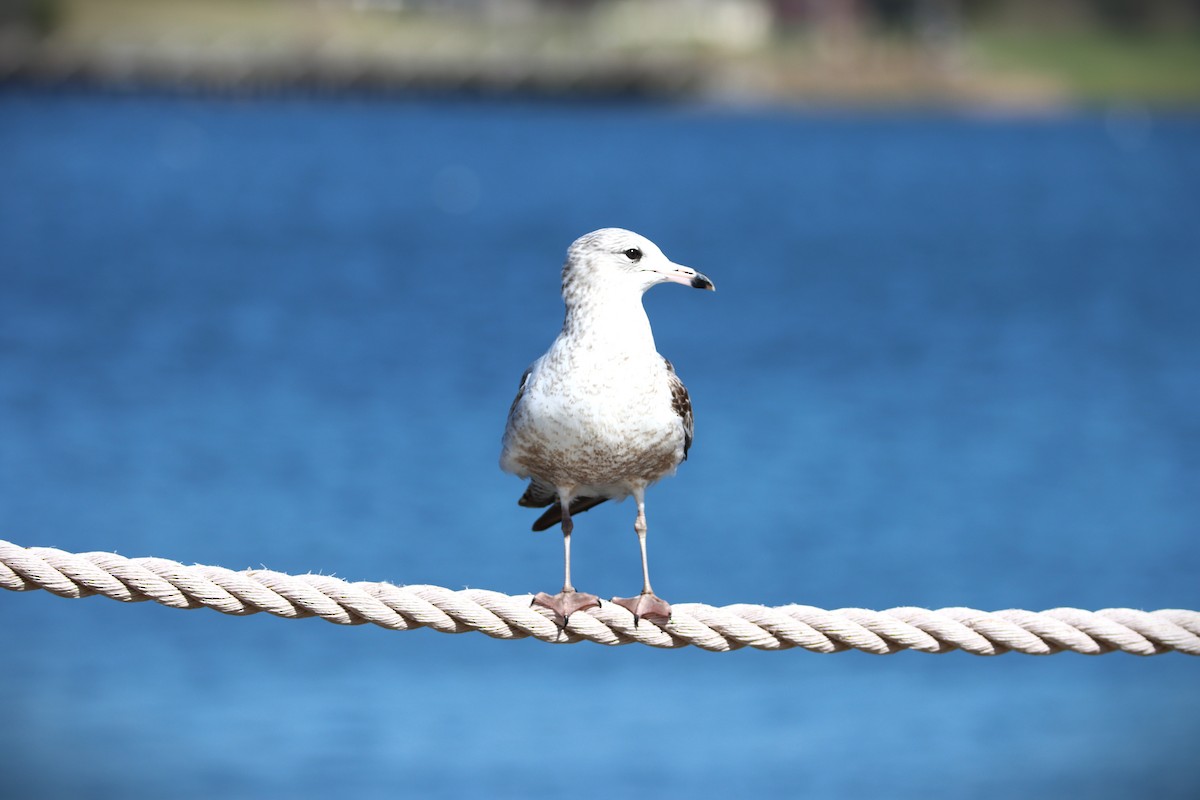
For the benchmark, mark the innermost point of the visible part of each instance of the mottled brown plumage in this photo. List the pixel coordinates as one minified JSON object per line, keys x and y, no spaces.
{"x":681,"y":403}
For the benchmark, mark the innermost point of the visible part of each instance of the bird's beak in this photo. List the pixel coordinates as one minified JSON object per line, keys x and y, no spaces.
{"x":677,"y":273}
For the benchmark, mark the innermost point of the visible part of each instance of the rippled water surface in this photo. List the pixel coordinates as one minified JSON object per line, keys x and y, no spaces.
{"x":952,"y":361}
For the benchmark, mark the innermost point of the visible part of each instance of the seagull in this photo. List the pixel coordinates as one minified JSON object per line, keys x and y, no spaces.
{"x":601,"y":416}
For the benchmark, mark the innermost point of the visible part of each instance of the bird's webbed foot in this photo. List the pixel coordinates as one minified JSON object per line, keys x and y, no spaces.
{"x":646,"y":605}
{"x":565,"y":603}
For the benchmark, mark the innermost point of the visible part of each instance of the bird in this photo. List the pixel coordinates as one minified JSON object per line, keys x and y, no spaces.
{"x":601,"y":415}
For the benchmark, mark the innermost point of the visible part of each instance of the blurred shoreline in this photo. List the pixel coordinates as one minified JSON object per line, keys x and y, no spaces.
{"x":731,"y":52}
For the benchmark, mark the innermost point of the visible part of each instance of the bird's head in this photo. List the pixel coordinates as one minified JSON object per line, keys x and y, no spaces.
{"x":617,"y":257}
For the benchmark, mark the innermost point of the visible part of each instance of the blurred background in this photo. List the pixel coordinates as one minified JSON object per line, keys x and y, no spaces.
{"x":270,"y":272}
{"x":999,"y":53}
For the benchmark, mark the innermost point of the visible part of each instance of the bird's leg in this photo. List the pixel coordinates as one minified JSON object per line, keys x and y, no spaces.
{"x":567,"y":527}
{"x":568,"y":601}
{"x":647,"y":604}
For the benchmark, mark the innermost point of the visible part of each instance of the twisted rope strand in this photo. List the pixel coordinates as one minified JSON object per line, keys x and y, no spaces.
{"x":502,"y":616}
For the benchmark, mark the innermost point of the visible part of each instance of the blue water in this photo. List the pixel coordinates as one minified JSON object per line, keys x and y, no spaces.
{"x":951,"y":361}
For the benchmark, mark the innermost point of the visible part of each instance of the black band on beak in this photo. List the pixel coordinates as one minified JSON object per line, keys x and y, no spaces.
{"x":702,"y":282}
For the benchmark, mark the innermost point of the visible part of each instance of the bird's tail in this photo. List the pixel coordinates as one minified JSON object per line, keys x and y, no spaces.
{"x":553,"y":514}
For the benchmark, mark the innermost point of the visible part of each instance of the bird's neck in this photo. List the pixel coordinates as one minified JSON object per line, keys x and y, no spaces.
{"x":612,"y":319}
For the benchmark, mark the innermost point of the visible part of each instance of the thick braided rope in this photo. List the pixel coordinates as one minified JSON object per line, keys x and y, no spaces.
{"x":511,"y":617}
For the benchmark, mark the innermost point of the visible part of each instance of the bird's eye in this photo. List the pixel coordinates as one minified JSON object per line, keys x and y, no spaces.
{"x":633,"y":254}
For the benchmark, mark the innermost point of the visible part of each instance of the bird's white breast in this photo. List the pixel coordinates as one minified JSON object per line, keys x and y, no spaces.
{"x":595,"y":418}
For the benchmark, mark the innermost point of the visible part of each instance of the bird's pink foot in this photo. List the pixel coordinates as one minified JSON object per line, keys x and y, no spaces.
{"x":565,"y":603}
{"x":646,"y":605}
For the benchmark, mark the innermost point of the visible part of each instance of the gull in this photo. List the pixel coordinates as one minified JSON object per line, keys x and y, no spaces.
{"x":601,"y":416}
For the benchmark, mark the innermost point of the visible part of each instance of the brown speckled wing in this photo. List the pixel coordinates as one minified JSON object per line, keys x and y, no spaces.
{"x":537,"y":494}
{"x":520,"y":390}
{"x":682,"y":404}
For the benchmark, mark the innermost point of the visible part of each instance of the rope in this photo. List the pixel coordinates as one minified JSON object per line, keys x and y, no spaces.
{"x":503,"y":616}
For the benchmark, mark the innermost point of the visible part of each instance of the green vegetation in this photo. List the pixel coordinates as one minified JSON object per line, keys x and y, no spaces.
{"x":1097,"y":66}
